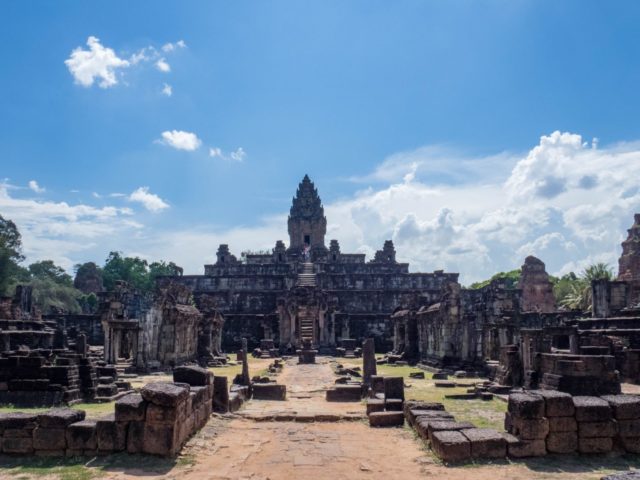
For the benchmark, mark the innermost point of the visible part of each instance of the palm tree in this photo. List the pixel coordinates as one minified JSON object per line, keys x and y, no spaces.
{"x":579,"y":296}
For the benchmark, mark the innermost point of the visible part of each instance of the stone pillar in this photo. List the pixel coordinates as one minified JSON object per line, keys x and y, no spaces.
{"x":246,"y":379}
{"x":81,"y":344}
{"x":368,"y":360}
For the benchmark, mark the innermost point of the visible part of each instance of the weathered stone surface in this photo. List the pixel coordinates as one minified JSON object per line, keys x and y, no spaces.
{"x":556,"y":404}
{"x":486,"y":443}
{"x":82,"y":435}
{"x":394,"y":387}
{"x":440,"y":425}
{"x":111,"y":436}
{"x":161,"y":439}
{"x":192,"y":375}
{"x":386,"y":419}
{"x":269,"y":391}
{"x":629,"y":428}
{"x":17,"y":420}
{"x":562,"y":442}
{"x":630,"y":444}
{"x":451,"y":446}
{"x":344,"y":393}
{"x":517,"y":448}
{"x":632,"y":475}
{"x":161,"y":414}
{"x":595,"y":445}
{"x":17,"y":444}
{"x":524,"y":405}
{"x":135,"y":437}
{"x":393,"y":404}
{"x":415,"y":414}
{"x":165,"y":394}
{"x":624,"y":407}
{"x":563,"y":424}
{"x":607,"y":428}
{"x":131,"y":407}
{"x":527,"y":428}
{"x":60,"y":417}
{"x":49,"y":439}
{"x":369,"y":367}
{"x":591,"y":409}
{"x":220,"y":394}
{"x":375,"y":405}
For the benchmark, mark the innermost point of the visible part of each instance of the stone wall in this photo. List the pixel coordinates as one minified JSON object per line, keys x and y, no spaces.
{"x":157,"y":421}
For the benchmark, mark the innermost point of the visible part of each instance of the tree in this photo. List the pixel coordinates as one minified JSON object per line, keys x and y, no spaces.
{"x":88,"y":278}
{"x":47,"y":269}
{"x":511,"y":279}
{"x":132,"y":270}
{"x":10,"y":254}
{"x":574,"y":292}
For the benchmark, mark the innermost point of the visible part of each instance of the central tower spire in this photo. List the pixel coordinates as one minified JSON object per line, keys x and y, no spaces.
{"x":307,"y":223}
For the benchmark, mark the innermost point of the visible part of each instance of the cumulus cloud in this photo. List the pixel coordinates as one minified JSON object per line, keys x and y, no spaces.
{"x":96,"y":63}
{"x":163,"y":66}
{"x":150,"y":201}
{"x":181,"y":140}
{"x":33,"y":185}
{"x":238,"y":155}
{"x":167,"y":90}
{"x":170,"y":47}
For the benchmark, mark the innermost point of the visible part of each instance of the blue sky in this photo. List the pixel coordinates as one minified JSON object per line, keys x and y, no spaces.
{"x":419,"y":121}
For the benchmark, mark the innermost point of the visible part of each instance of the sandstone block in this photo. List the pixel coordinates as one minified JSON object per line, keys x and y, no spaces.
{"x":165,"y":394}
{"x":415,"y":414}
{"x":527,"y":428}
{"x":49,"y":439}
{"x":82,"y":435}
{"x":524,"y":405}
{"x":160,"y":414}
{"x":269,"y":391}
{"x":440,"y":425}
{"x":624,"y":407}
{"x":17,"y":420}
{"x":607,"y":428}
{"x":135,"y":437}
{"x":556,"y":404}
{"x":393,"y":404}
{"x":394,"y":387}
{"x":17,"y":445}
{"x":386,"y":419}
{"x":591,"y":409}
{"x":375,"y":405}
{"x":630,"y":444}
{"x":517,"y":448}
{"x":629,"y":428}
{"x":486,"y":443}
{"x":562,"y":442}
{"x":161,"y":439}
{"x":60,"y":417}
{"x":130,"y":408}
{"x":595,"y":445}
{"x":451,"y":446}
{"x":344,"y":393}
{"x":192,"y":375}
{"x":563,"y":424}
{"x":111,"y":436}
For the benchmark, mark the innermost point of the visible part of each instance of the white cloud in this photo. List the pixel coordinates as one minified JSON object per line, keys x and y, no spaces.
{"x":170,"y":47}
{"x":236,"y":156}
{"x":150,"y":201}
{"x":167,"y":90}
{"x":163,"y":66}
{"x":181,"y":140}
{"x":33,"y":185}
{"x":97,"y":63}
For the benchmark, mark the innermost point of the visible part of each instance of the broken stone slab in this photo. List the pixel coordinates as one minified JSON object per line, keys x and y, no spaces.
{"x":518,"y":448}
{"x":608,"y":428}
{"x":193,"y":375}
{"x":562,"y":442}
{"x":165,"y":394}
{"x":445,"y":384}
{"x":557,"y":404}
{"x":451,"y":446}
{"x":60,"y":417}
{"x":591,"y":409}
{"x":394,"y":387}
{"x":524,"y":405}
{"x":415,"y":414}
{"x":440,"y":376}
{"x":344,"y":393}
{"x":486,"y":443}
{"x":131,"y":407}
{"x":269,"y":391}
{"x":393,"y":404}
{"x":220,"y":394}
{"x":421,"y":405}
{"x":375,"y":405}
{"x":440,"y":425}
{"x":386,"y":419}
{"x":624,"y":407}
{"x":418,"y":375}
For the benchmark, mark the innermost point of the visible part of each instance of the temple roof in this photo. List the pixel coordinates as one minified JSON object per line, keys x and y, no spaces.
{"x":306,"y":203}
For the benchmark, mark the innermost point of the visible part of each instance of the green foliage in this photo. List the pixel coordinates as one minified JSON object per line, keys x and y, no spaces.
{"x":511,"y":279}
{"x":135,"y":271}
{"x":574,"y":292}
{"x":48,"y":293}
{"x":46,"y":269}
{"x":10,"y":254}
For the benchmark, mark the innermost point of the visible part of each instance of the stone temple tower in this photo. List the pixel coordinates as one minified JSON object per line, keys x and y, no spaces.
{"x":307,"y":223}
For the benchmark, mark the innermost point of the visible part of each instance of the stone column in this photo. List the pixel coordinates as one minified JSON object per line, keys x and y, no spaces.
{"x":246,"y":379}
{"x":368,"y":360}
{"x":81,"y":344}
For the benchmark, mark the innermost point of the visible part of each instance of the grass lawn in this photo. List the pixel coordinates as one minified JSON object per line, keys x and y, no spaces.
{"x":489,"y":414}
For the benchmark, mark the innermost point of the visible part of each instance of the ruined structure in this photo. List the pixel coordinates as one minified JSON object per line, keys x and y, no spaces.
{"x":537,"y":291}
{"x":308,"y":291}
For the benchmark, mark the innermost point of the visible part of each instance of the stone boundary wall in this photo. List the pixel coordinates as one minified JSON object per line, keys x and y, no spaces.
{"x":158,"y":421}
{"x":538,"y":422}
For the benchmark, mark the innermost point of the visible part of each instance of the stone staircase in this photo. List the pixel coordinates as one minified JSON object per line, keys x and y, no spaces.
{"x":307,"y":319}
{"x":307,"y":278}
